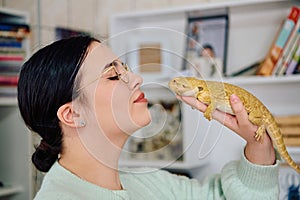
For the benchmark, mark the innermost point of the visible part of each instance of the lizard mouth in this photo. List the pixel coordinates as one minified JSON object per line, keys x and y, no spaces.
{"x":191,"y":92}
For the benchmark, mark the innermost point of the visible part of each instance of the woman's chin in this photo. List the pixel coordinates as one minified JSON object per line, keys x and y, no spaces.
{"x":144,"y":121}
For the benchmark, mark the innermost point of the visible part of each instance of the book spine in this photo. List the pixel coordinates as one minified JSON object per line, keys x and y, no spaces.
{"x":12,"y":34}
{"x":16,"y":44}
{"x":286,"y":59}
{"x":288,"y":50}
{"x":294,"y":62}
{"x":9,"y":80}
{"x":14,"y":26}
{"x":297,"y":70}
{"x":268,"y":65}
{"x":11,"y":58}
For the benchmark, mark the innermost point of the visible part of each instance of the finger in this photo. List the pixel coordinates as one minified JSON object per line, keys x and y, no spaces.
{"x":195,"y":103}
{"x":226,"y":119}
{"x":239,"y":110}
{"x":242,"y":118}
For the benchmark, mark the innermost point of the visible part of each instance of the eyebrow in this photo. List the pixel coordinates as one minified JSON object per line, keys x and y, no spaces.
{"x":109,"y":64}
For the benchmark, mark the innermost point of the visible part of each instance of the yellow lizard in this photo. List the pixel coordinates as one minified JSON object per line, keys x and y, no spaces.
{"x":216,"y":96}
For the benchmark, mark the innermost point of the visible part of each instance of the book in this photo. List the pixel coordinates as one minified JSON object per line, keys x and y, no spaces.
{"x":8,"y":91}
{"x":267,"y":67}
{"x":9,"y":80}
{"x":289,"y":57}
{"x":14,"y":27}
{"x":288,"y":51}
{"x":287,"y":120}
{"x":14,"y":30}
{"x":297,"y":70}
{"x":290,"y":130}
{"x":13,"y":34}
{"x":294,"y":62}
{"x":10,"y":43}
{"x":11,"y":58}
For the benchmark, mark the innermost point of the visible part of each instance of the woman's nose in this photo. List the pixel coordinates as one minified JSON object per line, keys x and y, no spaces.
{"x":135,"y":80}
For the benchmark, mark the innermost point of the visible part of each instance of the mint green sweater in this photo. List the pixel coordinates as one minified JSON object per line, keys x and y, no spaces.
{"x":240,"y":180}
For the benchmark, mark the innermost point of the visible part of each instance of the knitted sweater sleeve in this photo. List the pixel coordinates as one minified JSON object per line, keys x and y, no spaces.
{"x":238,"y":180}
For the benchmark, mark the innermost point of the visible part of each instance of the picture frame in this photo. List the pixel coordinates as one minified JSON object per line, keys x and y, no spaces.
{"x":149,"y":56}
{"x":206,"y":46}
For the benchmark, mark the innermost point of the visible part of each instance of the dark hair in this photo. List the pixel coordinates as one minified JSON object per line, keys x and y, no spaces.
{"x":46,"y":82}
{"x":208,"y":46}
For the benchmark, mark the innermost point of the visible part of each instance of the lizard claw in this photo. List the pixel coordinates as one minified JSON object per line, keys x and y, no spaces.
{"x":258,"y":138}
{"x":208,"y":116}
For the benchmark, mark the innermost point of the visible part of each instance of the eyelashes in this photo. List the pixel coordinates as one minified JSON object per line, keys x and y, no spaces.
{"x":113,"y":78}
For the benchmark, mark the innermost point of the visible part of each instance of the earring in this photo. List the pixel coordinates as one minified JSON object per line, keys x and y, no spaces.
{"x":81,"y":123}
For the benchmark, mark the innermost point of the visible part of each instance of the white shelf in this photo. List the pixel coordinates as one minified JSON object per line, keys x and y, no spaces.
{"x":263,"y":80}
{"x":202,"y":6}
{"x":6,"y":191}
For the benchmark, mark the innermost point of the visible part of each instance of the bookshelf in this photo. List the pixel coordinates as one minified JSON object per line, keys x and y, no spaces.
{"x":252,"y":27}
{"x":15,"y":140}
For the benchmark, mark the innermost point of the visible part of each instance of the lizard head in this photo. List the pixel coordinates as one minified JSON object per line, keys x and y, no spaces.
{"x":187,"y":86}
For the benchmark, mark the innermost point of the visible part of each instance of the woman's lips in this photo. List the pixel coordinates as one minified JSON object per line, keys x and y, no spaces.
{"x":141,"y":99}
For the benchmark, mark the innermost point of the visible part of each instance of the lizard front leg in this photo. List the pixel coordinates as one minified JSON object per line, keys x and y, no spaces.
{"x":209,"y":110}
{"x":256,"y":118}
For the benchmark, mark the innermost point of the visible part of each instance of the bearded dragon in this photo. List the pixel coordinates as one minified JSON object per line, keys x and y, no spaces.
{"x":216,"y":96}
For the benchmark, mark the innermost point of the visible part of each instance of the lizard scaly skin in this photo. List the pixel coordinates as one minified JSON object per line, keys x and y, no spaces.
{"x":216,"y":96}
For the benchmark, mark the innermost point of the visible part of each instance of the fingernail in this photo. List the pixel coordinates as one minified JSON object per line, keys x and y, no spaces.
{"x":234,"y":98}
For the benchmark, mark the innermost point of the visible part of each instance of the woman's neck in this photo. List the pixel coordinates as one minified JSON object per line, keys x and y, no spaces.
{"x":100,"y":169}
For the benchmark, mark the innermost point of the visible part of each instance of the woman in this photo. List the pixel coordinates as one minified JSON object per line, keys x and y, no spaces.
{"x":85,"y":103}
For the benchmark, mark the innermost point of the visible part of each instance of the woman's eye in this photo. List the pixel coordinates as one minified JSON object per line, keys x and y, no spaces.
{"x":113,"y":78}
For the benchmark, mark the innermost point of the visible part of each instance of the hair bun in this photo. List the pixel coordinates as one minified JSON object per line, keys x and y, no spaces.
{"x":45,"y":156}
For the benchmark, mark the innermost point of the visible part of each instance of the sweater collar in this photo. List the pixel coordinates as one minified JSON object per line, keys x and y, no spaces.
{"x":81,"y":187}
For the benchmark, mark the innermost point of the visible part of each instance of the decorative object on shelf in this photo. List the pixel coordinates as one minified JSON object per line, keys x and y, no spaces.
{"x":288,"y":31}
{"x":206,"y":46}
{"x":162,"y":139}
{"x":216,"y":96}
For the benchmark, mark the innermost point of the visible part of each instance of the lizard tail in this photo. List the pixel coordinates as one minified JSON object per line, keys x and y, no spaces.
{"x":278,"y":143}
{"x":281,"y":148}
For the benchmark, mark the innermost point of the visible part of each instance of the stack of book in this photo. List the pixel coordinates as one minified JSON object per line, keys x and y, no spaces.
{"x":290,"y":128}
{"x":283,"y":57}
{"x":12,"y":56}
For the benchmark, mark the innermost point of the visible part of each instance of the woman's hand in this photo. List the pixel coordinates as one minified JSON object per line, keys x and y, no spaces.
{"x":256,"y":152}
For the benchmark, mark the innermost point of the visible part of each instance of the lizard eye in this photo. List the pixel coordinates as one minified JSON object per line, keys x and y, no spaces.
{"x":200,"y":89}
{"x":184,"y":86}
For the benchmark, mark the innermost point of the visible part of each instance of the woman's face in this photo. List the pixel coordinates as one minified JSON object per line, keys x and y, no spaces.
{"x":117,"y":106}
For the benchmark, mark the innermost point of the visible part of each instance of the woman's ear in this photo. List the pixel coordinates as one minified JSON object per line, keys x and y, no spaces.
{"x":68,"y":116}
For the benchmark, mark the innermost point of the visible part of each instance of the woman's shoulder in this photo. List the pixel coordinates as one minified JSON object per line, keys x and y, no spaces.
{"x":54,"y":195}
